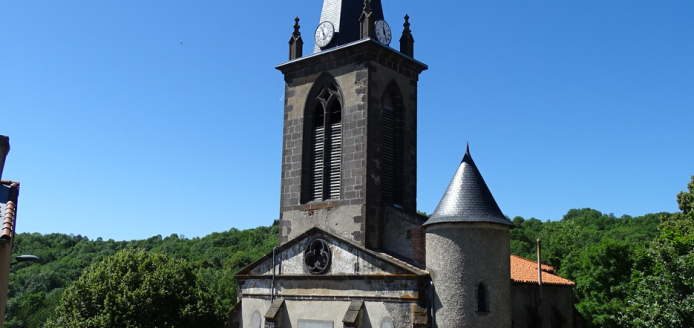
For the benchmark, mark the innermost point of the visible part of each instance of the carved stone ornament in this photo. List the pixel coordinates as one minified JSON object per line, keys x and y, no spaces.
{"x":317,"y":256}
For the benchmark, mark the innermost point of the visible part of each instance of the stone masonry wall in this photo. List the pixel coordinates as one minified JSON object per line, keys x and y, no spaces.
{"x":362,"y":78}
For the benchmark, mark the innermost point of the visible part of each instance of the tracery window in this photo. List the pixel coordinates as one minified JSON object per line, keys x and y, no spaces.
{"x":325,"y":145}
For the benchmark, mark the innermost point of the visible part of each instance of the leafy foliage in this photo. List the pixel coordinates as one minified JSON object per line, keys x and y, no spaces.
{"x":137,"y":289}
{"x":630,"y":271}
{"x":602,"y":274}
{"x":664,"y":290}
{"x":35,"y":289}
{"x":603,"y":254}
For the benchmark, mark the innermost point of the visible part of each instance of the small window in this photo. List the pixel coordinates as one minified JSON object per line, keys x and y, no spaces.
{"x":409,"y":234}
{"x":387,"y":322}
{"x":256,"y":320}
{"x":482,"y":298}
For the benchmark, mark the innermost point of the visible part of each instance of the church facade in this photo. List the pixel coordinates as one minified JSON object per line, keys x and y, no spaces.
{"x":353,"y":252}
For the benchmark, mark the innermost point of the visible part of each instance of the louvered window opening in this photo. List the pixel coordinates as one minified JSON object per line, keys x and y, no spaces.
{"x":390,"y":154}
{"x":326,"y":147}
{"x":335,"y":159}
{"x":317,"y":155}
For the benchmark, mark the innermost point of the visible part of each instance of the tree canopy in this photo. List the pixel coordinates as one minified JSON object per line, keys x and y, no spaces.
{"x":35,"y":289}
{"x":663,"y":289}
{"x":630,"y":271}
{"x":134,"y":288}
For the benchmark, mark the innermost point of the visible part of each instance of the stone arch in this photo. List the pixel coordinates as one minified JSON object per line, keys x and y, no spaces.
{"x":256,"y":320}
{"x":482,"y":298}
{"x":322,"y":142}
{"x":387,"y":322}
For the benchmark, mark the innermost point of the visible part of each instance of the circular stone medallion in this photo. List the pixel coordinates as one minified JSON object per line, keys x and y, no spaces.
{"x":317,"y":256}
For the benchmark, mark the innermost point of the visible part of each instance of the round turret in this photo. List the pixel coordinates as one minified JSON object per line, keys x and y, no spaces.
{"x":468,"y":254}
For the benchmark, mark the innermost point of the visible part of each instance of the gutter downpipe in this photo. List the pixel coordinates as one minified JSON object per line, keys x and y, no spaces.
{"x":5,"y":250}
{"x":433,"y":302}
{"x":272,"y":290}
{"x":539,"y":269}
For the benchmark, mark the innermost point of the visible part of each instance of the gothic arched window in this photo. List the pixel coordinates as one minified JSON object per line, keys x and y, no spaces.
{"x":482,"y":298}
{"x":322,"y":167}
{"x":392,"y":146}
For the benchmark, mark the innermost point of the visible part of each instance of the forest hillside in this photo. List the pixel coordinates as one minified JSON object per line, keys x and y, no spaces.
{"x":630,"y":271}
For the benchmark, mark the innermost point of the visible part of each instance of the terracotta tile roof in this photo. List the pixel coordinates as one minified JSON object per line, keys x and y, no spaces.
{"x":9,"y":193}
{"x":524,"y":270}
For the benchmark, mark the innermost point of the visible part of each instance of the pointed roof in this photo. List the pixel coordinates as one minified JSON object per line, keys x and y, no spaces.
{"x":344,"y":14}
{"x":404,"y":268}
{"x":468,"y":198}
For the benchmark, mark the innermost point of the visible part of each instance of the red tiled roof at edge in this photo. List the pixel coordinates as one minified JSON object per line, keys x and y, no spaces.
{"x":524,"y":270}
{"x":8,"y":219}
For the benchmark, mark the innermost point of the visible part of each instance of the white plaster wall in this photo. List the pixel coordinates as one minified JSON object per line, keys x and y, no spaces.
{"x":344,"y":257}
{"x":360,"y":288}
{"x":250,"y":305}
{"x":334,"y":311}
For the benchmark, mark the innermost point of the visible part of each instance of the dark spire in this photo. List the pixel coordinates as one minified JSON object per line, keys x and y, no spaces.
{"x":344,"y":14}
{"x":296,"y":44}
{"x":367,"y":6}
{"x":407,"y":41}
{"x":468,"y":198}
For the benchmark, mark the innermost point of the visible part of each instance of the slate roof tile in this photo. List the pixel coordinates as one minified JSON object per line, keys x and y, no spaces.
{"x":468,"y":199}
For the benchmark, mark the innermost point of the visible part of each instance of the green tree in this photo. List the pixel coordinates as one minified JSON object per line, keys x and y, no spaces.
{"x":560,"y":238}
{"x":664,"y":292}
{"x":134,"y":288}
{"x":602,"y":274}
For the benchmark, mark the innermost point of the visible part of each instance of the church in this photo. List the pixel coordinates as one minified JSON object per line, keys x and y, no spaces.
{"x":353,"y":251}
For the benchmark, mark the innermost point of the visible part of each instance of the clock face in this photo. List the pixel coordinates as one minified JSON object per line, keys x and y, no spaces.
{"x":383,"y":33}
{"x":324,"y":33}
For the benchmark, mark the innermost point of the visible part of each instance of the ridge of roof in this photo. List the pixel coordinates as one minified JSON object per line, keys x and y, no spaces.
{"x":525,"y":271}
{"x":388,"y":258}
{"x":467,"y":198}
{"x":405,"y":263}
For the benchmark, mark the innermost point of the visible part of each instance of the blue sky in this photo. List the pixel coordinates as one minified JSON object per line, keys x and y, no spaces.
{"x":129,"y":119}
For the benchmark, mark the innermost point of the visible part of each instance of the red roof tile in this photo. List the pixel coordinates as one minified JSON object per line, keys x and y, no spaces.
{"x":10,"y":215}
{"x":524,"y":270}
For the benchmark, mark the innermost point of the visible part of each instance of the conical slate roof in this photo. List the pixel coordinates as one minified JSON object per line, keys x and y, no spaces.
{"x":468,"y":198}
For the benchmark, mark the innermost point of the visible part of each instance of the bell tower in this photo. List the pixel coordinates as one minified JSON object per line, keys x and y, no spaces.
{"x":349,"y":151}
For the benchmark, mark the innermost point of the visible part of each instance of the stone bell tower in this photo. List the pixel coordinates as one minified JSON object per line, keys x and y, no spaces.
{"x":349,"y":152}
